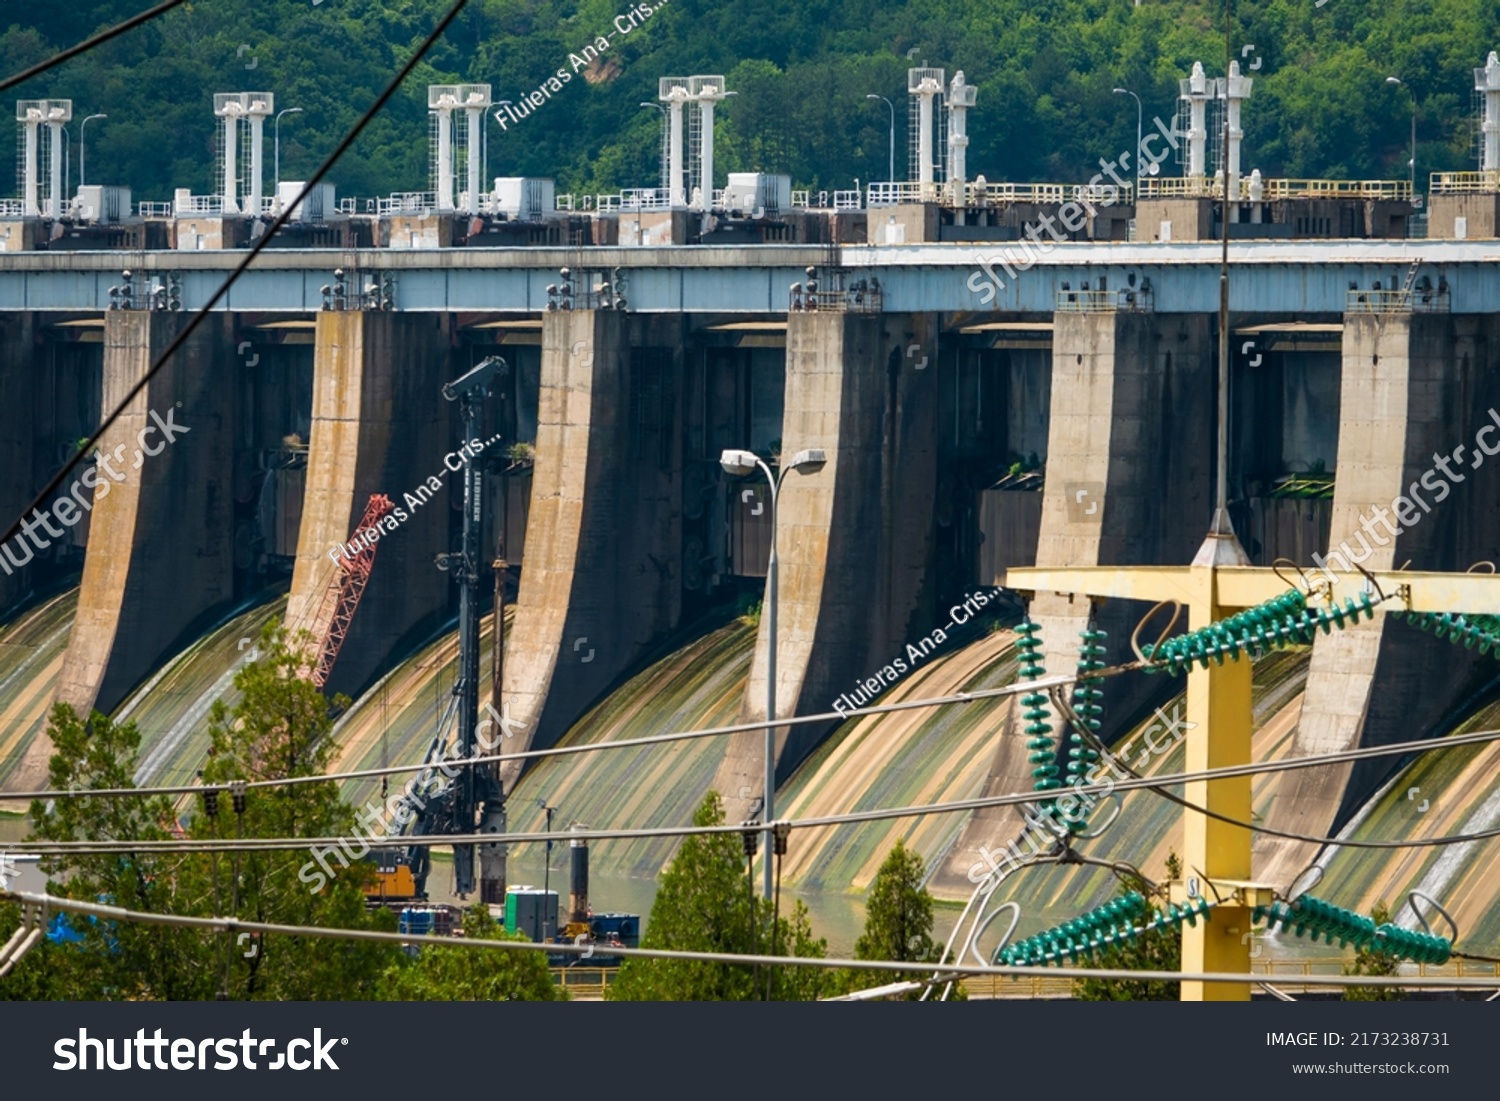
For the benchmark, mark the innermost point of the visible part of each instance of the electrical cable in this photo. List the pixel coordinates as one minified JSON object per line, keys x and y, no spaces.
{"x":235,"y":925}
{"x":244,"y":265}
{"x":558,"y":751}
{"x":874,"y":815}
{"x":87,"y":45}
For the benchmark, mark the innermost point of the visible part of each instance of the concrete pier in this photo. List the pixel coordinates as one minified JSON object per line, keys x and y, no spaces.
{"x":17,"y":439}
{"x":855,"y":541}
{"x":160,"y":542}
{"x":379,"y":425}
{"x":602,"y":581}
{"x":1416,"y":386}
{"x":1129,"y":482}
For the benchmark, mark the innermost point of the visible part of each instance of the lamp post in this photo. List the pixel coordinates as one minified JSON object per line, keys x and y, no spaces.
{"x":1139,"y":115}
{"x":285,"y":111}
{"x":890,"y":167}
{"x":665,"y":122}
{"x":546,"y":875}
{"x":1411,"y":164}
{"x":810,"y":461}
{"x":82,"y":137}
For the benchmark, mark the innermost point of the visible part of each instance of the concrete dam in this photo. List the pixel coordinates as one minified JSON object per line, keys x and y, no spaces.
{"x":1071,"y":424}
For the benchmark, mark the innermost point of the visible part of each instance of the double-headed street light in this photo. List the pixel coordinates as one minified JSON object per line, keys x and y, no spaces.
{"x":890,"y":171}
{"x":284,"y":111}
{"x":83,"y":137}
{"x":809,"y":461}
{"x":1139,"y":115}
{"x":1412,"y":164}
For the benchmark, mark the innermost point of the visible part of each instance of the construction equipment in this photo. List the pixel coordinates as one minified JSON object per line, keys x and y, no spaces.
{"x":472,"y":801}
{"x":346,"y":585}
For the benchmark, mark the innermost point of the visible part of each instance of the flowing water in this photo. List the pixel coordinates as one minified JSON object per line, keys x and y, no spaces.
{"x":171,"y":708}
{"x":31,"y":655}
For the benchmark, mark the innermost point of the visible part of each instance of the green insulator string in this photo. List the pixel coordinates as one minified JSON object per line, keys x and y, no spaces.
{"x":1472,"y":630}
{"x":1278,"y":622}
{"x":1112,"y":924}
{"x":1040,"y":745}
{"x":1088,"y":705}
{"x":1311,"y":917}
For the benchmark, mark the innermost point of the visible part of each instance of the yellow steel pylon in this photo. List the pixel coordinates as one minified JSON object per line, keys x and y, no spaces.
{"x":1217,"y":854}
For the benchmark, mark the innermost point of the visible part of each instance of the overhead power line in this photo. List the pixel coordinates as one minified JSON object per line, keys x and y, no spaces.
{"x":559,"y":751}
{"x":235,"y":925}
{"x":271,"y":844}
{"x":88,"y":44}
{"x":197,"y":319}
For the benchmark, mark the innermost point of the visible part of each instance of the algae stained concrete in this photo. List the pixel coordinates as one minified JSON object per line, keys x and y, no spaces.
{"x":18,"y":359}
{"x":160,"y":553}
{"x":602,"y":581}
{"x":855,"y":539}
{"x":380,"y":424}
{"x":1129,"y":482}
{"x":1414,"y":387}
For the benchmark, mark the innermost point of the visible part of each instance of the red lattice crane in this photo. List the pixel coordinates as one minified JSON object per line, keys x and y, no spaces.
{"x":347,"y":585}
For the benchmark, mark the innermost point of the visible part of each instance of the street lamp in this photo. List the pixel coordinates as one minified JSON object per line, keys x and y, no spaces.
{"x":665,"y":117}
{"x":546,"y":875}
{"x":82,"y":136}
{"x":890,"y":169}
{"x":285,"y":111}
{"x":1138,"y":116}
{"x":809,"y":461}
{"x":1412,"y":164}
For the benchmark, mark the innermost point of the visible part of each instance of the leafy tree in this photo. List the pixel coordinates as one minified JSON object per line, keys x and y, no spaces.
{"x":705,"y":903}
{"x":1369,"y":962}
{"x":279,"y":729}
{"x":468,"y":975}
{"x":1154,"y":950}
{"x":898,"y":922}
{"x":113,"y":959}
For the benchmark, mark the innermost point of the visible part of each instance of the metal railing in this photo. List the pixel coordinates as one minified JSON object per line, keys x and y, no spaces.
{"x":1211,"y":187}
{"x":862,"y":296}
{"x":1416,"y":300}
{"x":799,"y":199}
{"x":407,"y":202}
{"x":153,"y":210}
{"x":1108,"y":301}
{"x":12,"y":208}
{"x":199,"y":204}
{"x":645,"y":198}
{"x":846,"y":200}
{"x":584,"y":982}
{"x":891,"y":194}
{"x":1464,"y":183}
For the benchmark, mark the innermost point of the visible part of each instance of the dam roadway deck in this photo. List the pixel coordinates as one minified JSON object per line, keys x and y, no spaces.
{"x":1298,"y":277}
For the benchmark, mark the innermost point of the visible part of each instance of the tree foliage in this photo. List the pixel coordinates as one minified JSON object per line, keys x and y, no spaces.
{"x":705,"y":902}
{"x":279,"y":729}
{"x":465,"y":975}
{"x":1368,"y":962}
{"x":1045,"y":75}
{"x":1154,"y":950}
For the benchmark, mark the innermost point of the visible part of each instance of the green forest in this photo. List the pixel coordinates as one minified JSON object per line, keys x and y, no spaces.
{"x":801,"y":72}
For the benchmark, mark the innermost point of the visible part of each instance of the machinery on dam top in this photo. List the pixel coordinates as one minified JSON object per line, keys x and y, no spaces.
{"x":1131,"y":198}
